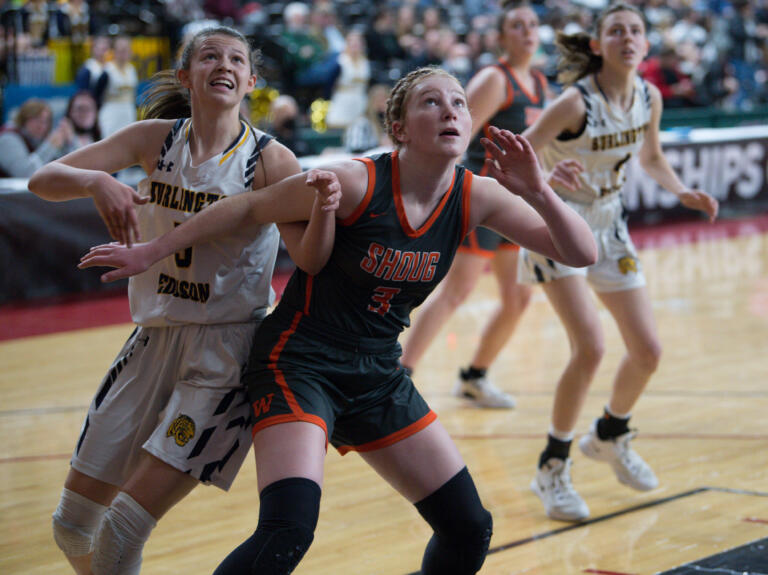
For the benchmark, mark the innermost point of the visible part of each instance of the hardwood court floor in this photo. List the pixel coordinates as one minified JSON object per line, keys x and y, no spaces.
{"x":702,"y":422}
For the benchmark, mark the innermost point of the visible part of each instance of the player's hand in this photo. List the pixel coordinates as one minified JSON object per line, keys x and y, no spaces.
{"x":128,"y":261}
{"x":328,"y":188}
{"x":116,"y":203}
{"x":696,"y":200}
{"x":566,"y":175}
{"x":514,"y":164}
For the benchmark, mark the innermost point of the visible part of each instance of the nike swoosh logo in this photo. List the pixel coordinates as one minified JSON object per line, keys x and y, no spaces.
{"x":377,"y":214}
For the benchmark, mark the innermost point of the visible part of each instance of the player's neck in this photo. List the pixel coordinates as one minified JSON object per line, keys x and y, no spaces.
{"x":211,"y":135}
{"x":618,"y":86}
{"x":424,"y":177}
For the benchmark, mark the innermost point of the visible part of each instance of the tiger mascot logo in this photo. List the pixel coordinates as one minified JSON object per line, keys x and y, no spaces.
{"x":182,"y":430}
{"x":627,"y":264}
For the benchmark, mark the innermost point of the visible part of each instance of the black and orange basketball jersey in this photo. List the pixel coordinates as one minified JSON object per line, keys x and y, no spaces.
{"x":519,"y":111}
{"x":381,"y":268}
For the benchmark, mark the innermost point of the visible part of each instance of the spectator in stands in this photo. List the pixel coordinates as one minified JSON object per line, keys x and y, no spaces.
{"x":311,"y":64}
{"x":677,"y":90}
{"x":324,"y":23}
{"x":383,"y":47}
{"x":118,"y":104}
{"x":83,"y":116}
{"x":41,"y":22}
{"x":89,"y":74}
{"x":350,"y":97}
{"x":30,"y":143}
{"x":78,"y":17}
{"x":369,"y":131}
{"x":284,"y":120}
{"x":744,"y":52}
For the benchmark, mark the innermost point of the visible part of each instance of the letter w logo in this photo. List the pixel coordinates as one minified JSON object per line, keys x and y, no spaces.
{"x":262,"y":405}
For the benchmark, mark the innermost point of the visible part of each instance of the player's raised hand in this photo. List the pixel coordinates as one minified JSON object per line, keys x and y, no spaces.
{"x":514,"y":164}
{"x":697,"y":200}
{"x":128,"y":261}
{"x":565,"y":175}
{"x":115,"y":202}
{"x":328,"y":188}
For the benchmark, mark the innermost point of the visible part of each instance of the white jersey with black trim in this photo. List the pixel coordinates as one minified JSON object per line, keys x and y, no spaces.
{"x":227,"y":280}
{"x":607,"y":141}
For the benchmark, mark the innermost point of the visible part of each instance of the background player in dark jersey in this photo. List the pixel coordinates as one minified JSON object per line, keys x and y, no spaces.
{"x":172,"y":411}
{"x":325,"y":366}
{"x":509,"y":94}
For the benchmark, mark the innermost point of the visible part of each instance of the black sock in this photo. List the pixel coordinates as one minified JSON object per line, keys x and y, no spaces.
{"x":555,"y":448}
{"x":609,"y":426}
{"x":472,"y":372}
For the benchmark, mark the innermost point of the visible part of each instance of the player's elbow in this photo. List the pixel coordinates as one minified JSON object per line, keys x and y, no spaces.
{"x":585,"y":255}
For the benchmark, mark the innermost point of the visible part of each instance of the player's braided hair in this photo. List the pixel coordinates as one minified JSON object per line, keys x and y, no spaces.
{"x":398,"y":97}
{"x":576,"y":57}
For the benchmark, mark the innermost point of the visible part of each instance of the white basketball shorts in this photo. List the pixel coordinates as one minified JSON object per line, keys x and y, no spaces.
{"x":176,"y":393}
{"x":617,"y":267}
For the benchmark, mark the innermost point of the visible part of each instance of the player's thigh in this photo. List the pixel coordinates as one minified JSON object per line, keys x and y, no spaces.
{"x":572,"y":299}
{"x":292,"y":449}
{"x":419,"y":464}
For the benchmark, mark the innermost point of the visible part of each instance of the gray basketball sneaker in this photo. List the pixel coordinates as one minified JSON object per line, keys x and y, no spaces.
{"x":553,"y":486}
{"x":483,"y":393}
{"x":629,"y":467}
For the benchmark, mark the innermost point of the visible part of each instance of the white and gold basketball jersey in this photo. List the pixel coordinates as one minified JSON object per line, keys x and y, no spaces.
{"x":227,"y":280}
{"x":607,"y":141}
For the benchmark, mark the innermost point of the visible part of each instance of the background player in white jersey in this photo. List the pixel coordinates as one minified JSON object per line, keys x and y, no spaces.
{"x":172,"y":412}
{"x":586,"y":138}
{"x":509,"y":94}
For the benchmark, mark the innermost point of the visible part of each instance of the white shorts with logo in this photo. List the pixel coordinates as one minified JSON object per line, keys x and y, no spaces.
{"x":176,"y":393}
{"x":617,"y":267}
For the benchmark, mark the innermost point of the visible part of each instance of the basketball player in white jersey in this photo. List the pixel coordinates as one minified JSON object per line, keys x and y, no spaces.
{"x":586,"y":137}
{"x":171,"y":412}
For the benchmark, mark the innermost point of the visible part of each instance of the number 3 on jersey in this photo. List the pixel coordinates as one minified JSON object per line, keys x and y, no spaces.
{"x":183,"y":259}
{"x":381,"y":298}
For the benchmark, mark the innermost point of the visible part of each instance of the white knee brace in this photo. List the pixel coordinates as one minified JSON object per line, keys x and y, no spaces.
{"x":75,"y":522}
{"x":121,"y":537}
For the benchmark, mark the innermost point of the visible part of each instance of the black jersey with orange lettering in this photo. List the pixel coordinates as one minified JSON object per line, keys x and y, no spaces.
{"x":381,"y":268}
{"x":519,"y":111}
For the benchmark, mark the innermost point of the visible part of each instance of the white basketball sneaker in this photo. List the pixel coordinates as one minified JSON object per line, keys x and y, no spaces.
{"x":483,"y":393}
{"x":553,"y":486}
{"x":629,"y":467}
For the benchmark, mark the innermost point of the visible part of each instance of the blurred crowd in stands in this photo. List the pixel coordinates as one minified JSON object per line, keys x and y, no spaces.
{"x":704,"y":53}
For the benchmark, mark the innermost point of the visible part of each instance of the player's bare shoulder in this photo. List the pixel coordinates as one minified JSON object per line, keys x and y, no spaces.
{"x":147,"y":137}
{"x":277,"y":163}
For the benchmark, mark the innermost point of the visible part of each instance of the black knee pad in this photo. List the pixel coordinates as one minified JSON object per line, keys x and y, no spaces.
{"x":288,"y":515}
{"x":462,"y":526}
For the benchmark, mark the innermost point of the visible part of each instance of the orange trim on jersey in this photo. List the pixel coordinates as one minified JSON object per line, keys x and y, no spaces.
{"x":279,"y":377}
{"x":290,"y":418}
{"x":466,"y":196}
{"x":510,"y":88}
{"x":533,"y":98}
{"x":509,"y":247}
{"x":371,"y":167}
{"x":476,"y":251}
{"x":542,"y":80}
{"x":404,"y":433}
{"x":409,"y":231}
{"x":308,"y":293}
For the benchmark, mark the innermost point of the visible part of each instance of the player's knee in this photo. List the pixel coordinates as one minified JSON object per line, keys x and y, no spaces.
{"x":121,"y":537}
{"x":75,"y":522}
{"x":462,"y":526}
{"x":287,"y":519}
